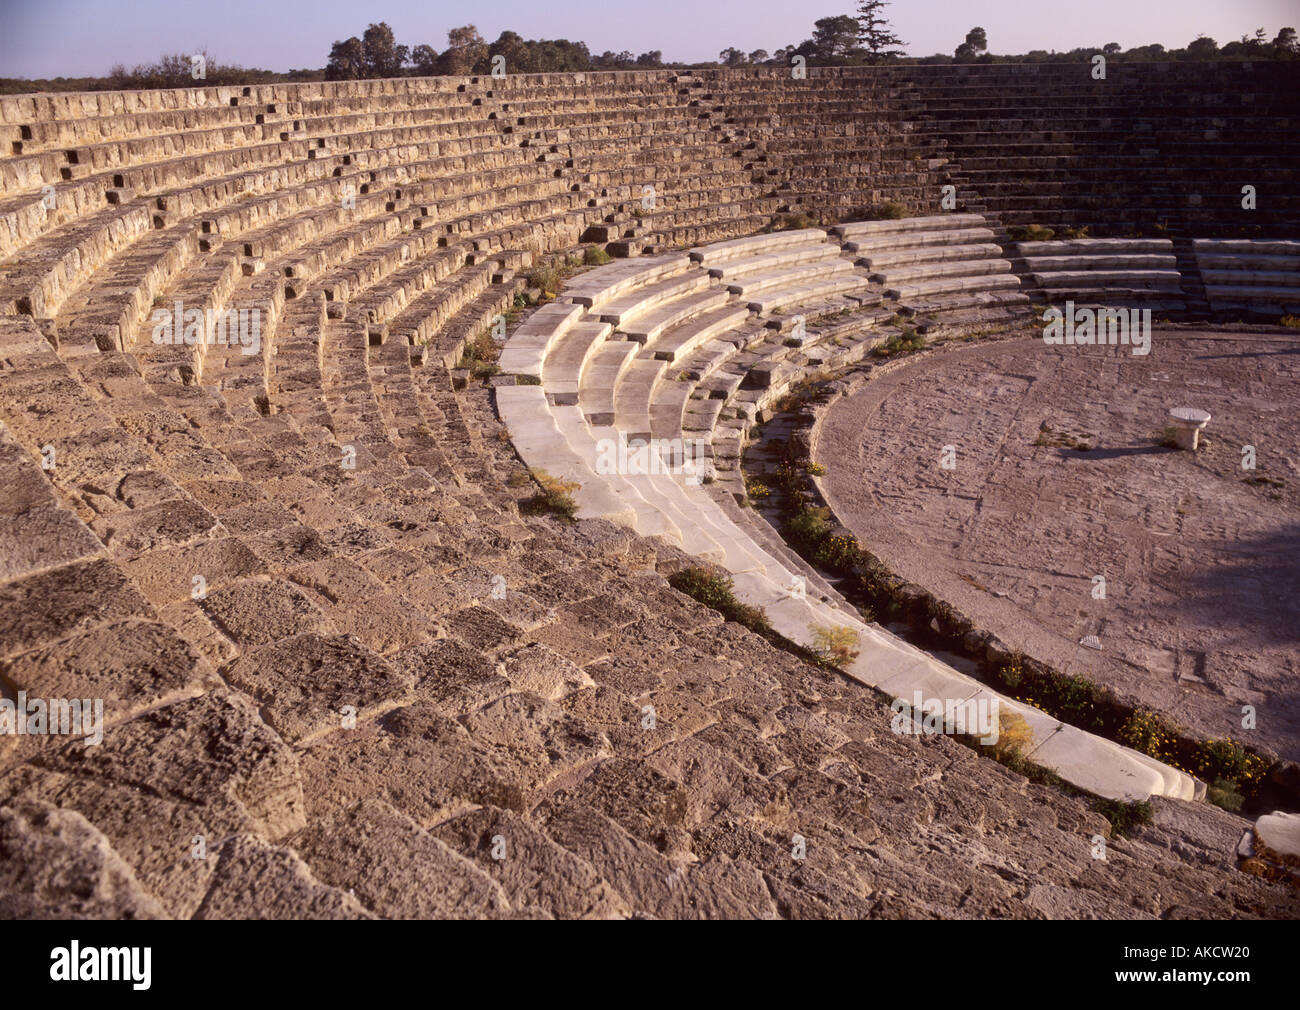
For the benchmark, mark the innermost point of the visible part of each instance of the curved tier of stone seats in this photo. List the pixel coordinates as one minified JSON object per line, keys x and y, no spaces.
{"x":654,"y":494}
{"x":945,"y":260}
{"x":1116,"y":270}
{"x":1151,"y":144}
{"x":239,"y":548}
{"x":1252,"y":275}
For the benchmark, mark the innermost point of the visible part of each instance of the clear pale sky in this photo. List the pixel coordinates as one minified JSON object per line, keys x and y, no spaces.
{"x":75,"y":38}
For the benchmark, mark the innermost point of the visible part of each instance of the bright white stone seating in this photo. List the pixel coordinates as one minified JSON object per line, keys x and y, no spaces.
{"x":1251,"y":275}
{"x":943,"y":261}
{"x":688,"y":359}
{"x":1107,"y":271}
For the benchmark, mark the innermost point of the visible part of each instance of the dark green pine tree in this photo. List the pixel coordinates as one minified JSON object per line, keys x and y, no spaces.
{"x":875,"y":33}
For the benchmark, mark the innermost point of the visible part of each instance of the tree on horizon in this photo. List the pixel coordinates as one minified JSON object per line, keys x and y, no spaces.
{"x":835,"y":38}
{"x":976,"y":43}
{"x":875,"y":32}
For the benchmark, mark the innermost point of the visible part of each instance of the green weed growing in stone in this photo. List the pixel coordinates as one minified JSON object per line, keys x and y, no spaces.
{"x":555,"y":497}
{"x":716,"y":590}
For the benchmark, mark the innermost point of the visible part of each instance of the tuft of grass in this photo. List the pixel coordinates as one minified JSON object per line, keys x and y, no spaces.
{"x":545,"y":277}
{"x":796,"y":222}
{"x":480,"y":355}
{"x":1125,"y":818}
{"x":716,"y":590}
{"x":837,"y":644}
{"x":902,"y":343}
{"x":809,"y":527}
{"x":1014,"y":735}
{"x":595,"y":256}
{"x":887,"y":211}
{"x":554,"y":497}
{"x":1224,"y":793}
{"x":1291,"y":322}
{"x":1031,"y":233}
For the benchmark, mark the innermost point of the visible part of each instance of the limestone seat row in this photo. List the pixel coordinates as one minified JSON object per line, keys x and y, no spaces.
{"x":924,"y":258}
{"x":625,"y":399}
{"x":1111,"y":271}
{"x":1254,"y":275}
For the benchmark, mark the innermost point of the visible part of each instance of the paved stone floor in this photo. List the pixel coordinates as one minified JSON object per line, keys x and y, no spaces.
{"x":1059,"y":478}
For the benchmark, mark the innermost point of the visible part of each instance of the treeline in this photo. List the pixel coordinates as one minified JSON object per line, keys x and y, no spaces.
{"x":1283,"y":46}
{"x":377,"y":54}
{"x":841,"y":40}
{"x":179,"y":70}
{"x":837,"y":40}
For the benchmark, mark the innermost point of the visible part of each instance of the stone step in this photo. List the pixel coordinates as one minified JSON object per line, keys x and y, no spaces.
{"x":595,"y":288}
{"x":681,"y":340}
{"x":753,"y":284}
{"x":532,"y":340}
{"x":601,"y":462}
{"x":922,"y":239}
{"x":705,"y":532}
{"x":945,"y":268}
{"x":1235,"y":262}
{"x":729,"y":269}
{"x":648,"y":326}
{"x":666,"y":404}
{"x":1096,"y":246}
{"x":797,"y":294}
{"x":1265,"y":247}
{"x":1276,"y":279}
{"x":1246,"y":293}
{"x":567,"y":360}
{"x":632,"y":397}
{"x":754,"y":245}
{"x":533,"y":431}
{"x":941,"y":222}
{"x":951,"y":285}
{"x":627,"y":307}
{"x":1157,"y":300}
{"x":604,"y":369}
{"x":1165,"y":280}
{"x":929,"y":254}
{"x":1046,"y":264}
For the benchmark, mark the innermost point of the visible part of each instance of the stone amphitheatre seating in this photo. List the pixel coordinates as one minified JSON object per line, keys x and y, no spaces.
{"x":1111,"y":270}
{"x":922,"y":260}
{"x":654,"y":497}
{"x":1168,"y":144}
{"x":1250,"y":275}
{"x":242,"y":547}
